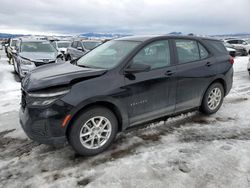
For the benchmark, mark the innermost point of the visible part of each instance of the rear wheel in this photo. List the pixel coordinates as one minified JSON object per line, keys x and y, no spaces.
{"x":212,"y":99}
{"x":93,"y":131}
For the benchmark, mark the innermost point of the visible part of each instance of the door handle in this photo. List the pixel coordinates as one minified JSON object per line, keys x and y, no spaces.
{"x":169,"y":73}
{"x":208,"y":64}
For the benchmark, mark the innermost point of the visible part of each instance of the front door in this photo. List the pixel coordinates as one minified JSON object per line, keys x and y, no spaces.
{"x":151,"y":94}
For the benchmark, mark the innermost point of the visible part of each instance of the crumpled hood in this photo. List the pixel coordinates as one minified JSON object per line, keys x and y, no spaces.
{"x":39,"y":56}
{"x":56,"y":75}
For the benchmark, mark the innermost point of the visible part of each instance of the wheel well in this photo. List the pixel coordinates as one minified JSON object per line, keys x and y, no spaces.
{"x":222,"y":82}
{"x":105,"y":104}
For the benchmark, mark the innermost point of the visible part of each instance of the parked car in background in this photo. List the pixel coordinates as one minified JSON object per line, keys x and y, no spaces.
{"x":123,"y":83}
{"x":1,"y":46}
{"x":230,"y":49}
{"x":239,"y":43}
{"x":80,"y":47}
{"x":11,"y":48}
{"x":61,"y":46}
{"x":235,"y":50}
{"x":34,"y":53}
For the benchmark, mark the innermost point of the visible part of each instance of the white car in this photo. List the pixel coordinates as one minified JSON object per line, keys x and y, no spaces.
{"x":239,"y":42}
{"x":61,"y":46}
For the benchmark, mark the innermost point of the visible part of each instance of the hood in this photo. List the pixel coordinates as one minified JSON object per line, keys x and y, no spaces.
{"x":230,"y":49}
{"x":39,"y":56}
{"x":56,"y":75}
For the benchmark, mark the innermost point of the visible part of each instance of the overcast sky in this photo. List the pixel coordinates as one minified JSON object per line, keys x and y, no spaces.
{"x":125,"y":16}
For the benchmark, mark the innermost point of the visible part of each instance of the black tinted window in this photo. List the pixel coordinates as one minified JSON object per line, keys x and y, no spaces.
{"x":74,"y":44}
{"x":218,"y":46}
{"x":187,"y":50}
{"x":233,"y":41}
{"x":156,"y":55}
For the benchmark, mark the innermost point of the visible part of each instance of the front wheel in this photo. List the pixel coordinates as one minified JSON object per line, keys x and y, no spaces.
{"x":93,"y":131}
{"x":212,"y":99}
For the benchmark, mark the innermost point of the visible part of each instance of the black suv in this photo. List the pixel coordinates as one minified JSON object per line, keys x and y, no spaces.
{"x":123,"y":83}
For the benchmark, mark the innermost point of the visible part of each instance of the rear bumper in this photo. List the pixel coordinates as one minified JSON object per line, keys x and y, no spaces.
{"x":229,"y":80}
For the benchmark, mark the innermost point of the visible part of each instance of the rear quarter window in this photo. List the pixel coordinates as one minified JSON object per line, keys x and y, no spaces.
{"x":217,"y":47}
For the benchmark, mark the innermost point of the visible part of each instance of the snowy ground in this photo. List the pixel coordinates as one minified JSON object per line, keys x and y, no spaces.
{"x":190,"y":150}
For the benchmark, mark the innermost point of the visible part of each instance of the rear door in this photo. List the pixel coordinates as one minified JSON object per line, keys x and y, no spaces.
{"x":79,"y":50}
{"x":195,"y":70}
{"x":151,"y":94}
{"x":71,"y":50}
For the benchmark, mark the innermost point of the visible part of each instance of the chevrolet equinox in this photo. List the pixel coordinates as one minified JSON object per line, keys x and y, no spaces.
{"x":120,"y":84}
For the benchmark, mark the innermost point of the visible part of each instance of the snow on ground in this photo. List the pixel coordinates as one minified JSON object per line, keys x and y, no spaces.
{"x":190,"y":150}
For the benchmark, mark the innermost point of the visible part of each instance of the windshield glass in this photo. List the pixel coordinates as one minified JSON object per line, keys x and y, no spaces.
{"x":63,"y":44}
{"x":13,"y":43}
{"x":228,"y":45}
{"x":37,"y":47}
{"x":107,"y":55}
{"x":90,"y":44}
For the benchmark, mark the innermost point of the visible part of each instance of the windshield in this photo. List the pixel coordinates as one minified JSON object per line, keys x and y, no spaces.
{"x":90,"y":45}
{"x":13,"y":43}
{"x":63,"y":44}
{"x":37,"y":47}
{"x":228,"y":45}
{"x":107,"y":55}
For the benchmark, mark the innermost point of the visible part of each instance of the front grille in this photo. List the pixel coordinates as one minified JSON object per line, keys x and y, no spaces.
{"x":42,"y":63}
{"x":39,"y":129}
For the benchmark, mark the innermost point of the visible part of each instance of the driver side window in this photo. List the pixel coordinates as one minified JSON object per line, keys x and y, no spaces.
{"x":156,"y":55}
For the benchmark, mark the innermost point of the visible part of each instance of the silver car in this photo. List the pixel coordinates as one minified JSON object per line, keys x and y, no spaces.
{"x":80,"y":47}
{"x":34,"y":53}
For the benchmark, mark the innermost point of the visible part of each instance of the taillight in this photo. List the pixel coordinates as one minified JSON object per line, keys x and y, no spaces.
{"x":231,"y":60}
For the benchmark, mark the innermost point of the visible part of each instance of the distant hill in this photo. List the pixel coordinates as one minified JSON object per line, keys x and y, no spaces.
{"x":7,"y":35}
{"x":102,"y":35}
{"x":236,"y":35}
{"x":175,"y":33}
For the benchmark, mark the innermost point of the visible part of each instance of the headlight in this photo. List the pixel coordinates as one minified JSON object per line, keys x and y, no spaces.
{"x":42,"y":101}
{"x":26,"y":62}
{"x":46,"y":97}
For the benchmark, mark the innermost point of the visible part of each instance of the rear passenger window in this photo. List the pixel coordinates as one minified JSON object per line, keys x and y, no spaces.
{"x":74,"y":44}
{"x":203,"y":52}
{"x":156,"y":55}
{"x":187,"y":50}
{"x":218,"y":46}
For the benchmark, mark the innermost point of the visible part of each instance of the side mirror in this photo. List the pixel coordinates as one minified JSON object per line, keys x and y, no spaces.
{"x":136,"y":68}
{"x":79,"y":48}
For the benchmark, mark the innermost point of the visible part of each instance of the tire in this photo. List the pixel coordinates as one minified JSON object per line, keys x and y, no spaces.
{"x":208,"y":107}
{"x":84,"y":125}
{"x":15,"y":67}
{"x":11,"y":61}
{"x":68,"y":58}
